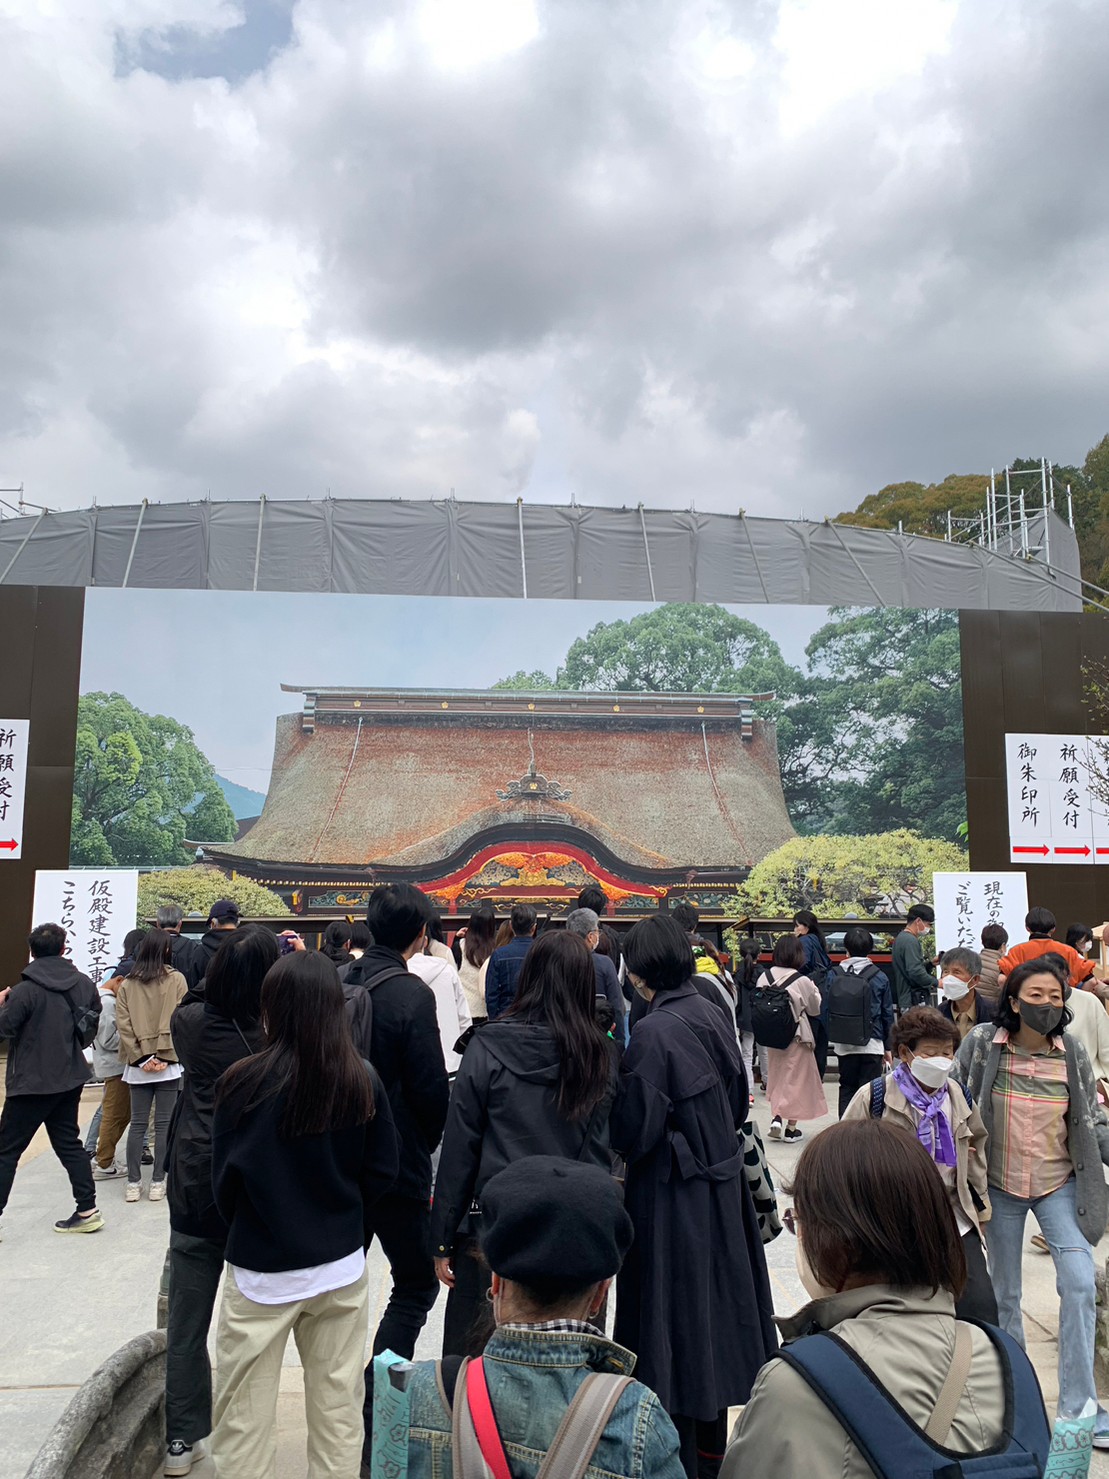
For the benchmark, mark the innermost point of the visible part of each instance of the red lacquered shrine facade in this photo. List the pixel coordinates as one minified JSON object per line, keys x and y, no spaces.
{"x":514,"y":796}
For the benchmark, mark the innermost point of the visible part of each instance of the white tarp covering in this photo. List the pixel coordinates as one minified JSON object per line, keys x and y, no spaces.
{"x":495,"y":549}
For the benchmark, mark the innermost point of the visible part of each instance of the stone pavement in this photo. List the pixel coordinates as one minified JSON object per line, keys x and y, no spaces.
{"x":67,"y":1302}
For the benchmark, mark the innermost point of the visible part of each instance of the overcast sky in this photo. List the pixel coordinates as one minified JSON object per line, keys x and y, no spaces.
{"x":216,"y":660}
{"x":769,"y":254}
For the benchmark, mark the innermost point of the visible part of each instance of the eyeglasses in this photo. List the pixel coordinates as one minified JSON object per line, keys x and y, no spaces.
{"x":789,"y":1217}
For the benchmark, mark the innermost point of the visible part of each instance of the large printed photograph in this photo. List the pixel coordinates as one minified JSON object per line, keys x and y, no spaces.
{"x":291,"y":751}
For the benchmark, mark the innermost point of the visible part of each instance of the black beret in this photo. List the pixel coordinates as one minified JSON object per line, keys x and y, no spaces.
{"x":549,"y":1218}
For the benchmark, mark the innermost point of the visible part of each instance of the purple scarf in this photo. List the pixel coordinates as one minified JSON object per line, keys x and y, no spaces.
{"x":934,"y":1128}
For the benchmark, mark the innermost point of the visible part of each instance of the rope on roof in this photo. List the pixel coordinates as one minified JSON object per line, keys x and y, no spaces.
{"x":339,"y":794}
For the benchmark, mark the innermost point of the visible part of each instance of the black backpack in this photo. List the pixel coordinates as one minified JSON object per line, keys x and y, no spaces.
{"x":772,"y":1019}
{"x":355,"y":976}
{"x":848,"y":1006}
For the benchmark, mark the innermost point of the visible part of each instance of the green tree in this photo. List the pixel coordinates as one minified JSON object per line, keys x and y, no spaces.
{"x":197,"y":889}
{"x":141,"y":785}
{"x":838,"y":876}
{"x":522,"y":682}
{"x":885,"y":713}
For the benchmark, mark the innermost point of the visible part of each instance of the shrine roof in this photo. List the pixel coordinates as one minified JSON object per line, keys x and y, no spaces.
{"x":403,"y":782}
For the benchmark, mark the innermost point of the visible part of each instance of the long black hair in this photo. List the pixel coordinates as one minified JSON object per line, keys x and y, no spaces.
{"x":152,"y":958}
{"x":748,"y":967}
{"x":309,"y":1058}
{"x":558,"y":987}
{"x":336,"y":942}
{"x":812,"y":924}
{"x":233,"y":983}
{"x":481,"y":931}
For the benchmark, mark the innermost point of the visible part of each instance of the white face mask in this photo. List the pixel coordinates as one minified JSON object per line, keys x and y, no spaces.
{"x":954,"y":989}
{"x":931,"y":1072}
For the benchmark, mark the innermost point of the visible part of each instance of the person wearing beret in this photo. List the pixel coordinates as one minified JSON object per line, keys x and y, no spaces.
{"x":554,"y":1232}
{"x":693,"y":1297}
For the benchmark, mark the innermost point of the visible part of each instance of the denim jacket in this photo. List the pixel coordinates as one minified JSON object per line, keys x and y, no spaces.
{"x":533,"y":1376}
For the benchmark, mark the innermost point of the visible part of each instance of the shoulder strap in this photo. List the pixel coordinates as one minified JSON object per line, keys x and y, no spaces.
{"x":877,"y":1098}
{"x":386,"y":975}
{"x":947,"y":1403}
{"x":582,"y":1426}
{"x":780,"y":985}
{"x":476,"y":1448}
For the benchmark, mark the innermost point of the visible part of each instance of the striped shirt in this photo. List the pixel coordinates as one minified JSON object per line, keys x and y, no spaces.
{"x":1028,"y":1148}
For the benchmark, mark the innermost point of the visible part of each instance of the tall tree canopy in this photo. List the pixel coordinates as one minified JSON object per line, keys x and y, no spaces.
{"x":869,"y":737}
{"x":140,"y":786}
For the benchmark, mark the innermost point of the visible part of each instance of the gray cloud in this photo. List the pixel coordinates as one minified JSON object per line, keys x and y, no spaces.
{"x":644,"y":256}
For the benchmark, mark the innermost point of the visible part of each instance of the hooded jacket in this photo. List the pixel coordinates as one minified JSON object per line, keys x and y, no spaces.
{"x":44,"y":1053}
{"x":505,"y":1107}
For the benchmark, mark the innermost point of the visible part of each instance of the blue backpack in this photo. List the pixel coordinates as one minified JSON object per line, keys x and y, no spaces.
{"x":889,"y":1440}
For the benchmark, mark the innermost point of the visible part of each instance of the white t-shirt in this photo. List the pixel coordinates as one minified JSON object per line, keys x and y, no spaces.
{"x":856,"y":965}
{"x":133,"y":1074}
{"x":294,"y":1284}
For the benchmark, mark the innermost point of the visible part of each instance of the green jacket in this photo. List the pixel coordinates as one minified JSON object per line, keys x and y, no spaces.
{"x":913,"y":983}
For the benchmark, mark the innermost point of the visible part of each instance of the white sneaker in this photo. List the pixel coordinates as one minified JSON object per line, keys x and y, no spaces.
{"x":107,"y":1173}
{"x":157,"y":1191}
{"x":133,"y":1192}
{"x":776,"y":1127}
{"x":181,"y":1456}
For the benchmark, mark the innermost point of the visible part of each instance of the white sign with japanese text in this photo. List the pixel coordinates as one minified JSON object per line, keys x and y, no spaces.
{"x":96,"y":907}
{"x":14,"y":736}
{"x":1055,"y":812}
{"x":966,"y":902}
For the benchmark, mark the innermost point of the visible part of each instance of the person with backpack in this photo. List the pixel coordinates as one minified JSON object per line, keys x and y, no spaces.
{"x":921,"y":1097}
{"x":817,"y":967}
{"x":748,"y":970}
{"x":539,"y":1080}
{"x":303,"y":1146}
{"x":858,"y":1014}
{"x":209,"y":1036}
{"x":145,"y":1002}
{"x":1048,"y":1140}
{"x":784,"y":1007}
{"x":554,"y":1233}
{"x":48,"y":1018}
{"x":878,"y":1378}
{"x":693,"y":1298}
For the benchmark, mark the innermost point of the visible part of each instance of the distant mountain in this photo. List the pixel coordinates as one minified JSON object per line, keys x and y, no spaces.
{"x":242,"y":801}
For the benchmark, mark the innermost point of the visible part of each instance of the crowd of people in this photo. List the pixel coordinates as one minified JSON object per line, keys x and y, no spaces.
{"x":560,"y":1119}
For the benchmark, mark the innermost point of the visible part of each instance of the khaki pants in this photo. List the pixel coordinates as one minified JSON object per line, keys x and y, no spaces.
{"x":330,"y":1333}
{"x":115,"y":1116}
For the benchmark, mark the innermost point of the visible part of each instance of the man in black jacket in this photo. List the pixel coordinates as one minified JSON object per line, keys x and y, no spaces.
{"x":407,"y":1053}
{"x":49,"y":1017}
{"x":186,"y":955}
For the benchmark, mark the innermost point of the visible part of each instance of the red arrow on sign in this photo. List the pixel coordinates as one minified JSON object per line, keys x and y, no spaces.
{"x":1043,"y":851}
{"x":9,"y":846}
{"x":1083,"y":852}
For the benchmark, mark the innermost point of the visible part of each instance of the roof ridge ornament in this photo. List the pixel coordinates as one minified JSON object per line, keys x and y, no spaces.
{"x":532,"y":786}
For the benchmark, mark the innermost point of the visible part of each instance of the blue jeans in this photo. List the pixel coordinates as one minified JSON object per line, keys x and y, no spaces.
{"x":1074,"y":1279}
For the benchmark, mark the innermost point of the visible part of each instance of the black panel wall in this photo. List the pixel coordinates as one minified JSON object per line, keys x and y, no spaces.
{"x":40,"y":673}
{"x":1022,"y":671}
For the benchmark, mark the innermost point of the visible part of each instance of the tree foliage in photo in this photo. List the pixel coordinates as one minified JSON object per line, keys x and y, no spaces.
{"x":196,"y":889}
{"x":140,"y":786}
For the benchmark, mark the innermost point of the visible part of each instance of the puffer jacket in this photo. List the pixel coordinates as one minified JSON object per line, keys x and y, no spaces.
{"x":1087,"y":1125}
{"x":504,"y":1107}
{"x":907,"y":1338}
{"x":207,"y":1043}
{"x":143,"y":1013}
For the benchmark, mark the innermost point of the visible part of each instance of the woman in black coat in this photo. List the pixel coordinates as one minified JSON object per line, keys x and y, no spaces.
{"x":208,"y":1036}
{"x":537,"y":1081}
{"x":693,"y":1297}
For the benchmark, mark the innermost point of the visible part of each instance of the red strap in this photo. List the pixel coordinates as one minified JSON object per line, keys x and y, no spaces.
{"x":485,"y":1424}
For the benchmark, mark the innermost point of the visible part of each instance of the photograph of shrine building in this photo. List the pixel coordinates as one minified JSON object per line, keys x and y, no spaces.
{"x":510,"y":796}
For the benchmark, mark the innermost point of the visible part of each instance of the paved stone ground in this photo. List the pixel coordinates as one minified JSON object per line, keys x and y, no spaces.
{"x":67,"y":1302}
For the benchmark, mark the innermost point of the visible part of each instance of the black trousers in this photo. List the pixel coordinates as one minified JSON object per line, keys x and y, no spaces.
{"x":856,"y":1069}
{"x":702,"y":1444}
{"x":820,"y":1045}
{"x":195,"y":1267}
{"x":978,"y":1300}
{"x":468,"y":1319}
{"x":402,"y":1225}
{"x":23,"y":1115}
